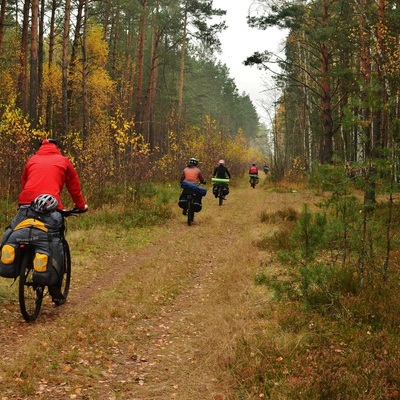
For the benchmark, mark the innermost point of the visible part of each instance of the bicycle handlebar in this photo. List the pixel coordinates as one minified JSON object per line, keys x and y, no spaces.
{"x":72,"y":211}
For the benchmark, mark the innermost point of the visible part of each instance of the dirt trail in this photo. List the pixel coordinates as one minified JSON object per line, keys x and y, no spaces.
{"x":173,"y":342}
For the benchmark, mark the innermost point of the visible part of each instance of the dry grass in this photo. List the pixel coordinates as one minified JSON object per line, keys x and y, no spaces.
{"x":169,"y":312}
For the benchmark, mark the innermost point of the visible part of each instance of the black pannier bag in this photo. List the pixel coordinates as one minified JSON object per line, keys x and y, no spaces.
{"x":42,"y":231}
{"x":197,"y":205}
{"x":197,"y":191}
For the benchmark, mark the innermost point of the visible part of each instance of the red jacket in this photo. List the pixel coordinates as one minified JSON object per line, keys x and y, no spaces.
{"x":46,"y":172}
{"x":253,"y":170}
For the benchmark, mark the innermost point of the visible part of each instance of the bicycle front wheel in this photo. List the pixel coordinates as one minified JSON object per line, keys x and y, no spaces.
{"x":30,"y":294}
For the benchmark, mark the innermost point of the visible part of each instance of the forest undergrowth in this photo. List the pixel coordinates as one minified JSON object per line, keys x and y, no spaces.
{"x":296,"y":298}
{"x":334,"y":272}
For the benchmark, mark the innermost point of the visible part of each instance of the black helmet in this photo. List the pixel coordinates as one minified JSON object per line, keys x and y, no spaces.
{"x":192,"y":161}
{"x":54,"y":141}
{"x":44,"y":203}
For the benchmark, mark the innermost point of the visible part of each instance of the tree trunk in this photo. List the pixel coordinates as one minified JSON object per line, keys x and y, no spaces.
{"x":149,"y":107}
{"x":140,"y":66}
{"x":106,"y":20}
{"x":182,"y":70}
{"x":74,"y":51}
{"x":22,"y":95}
{"x":65,"y":107}
{"x":366,"y":77}
{"x":34,"y":63}
{"x":49,"y":101}
{"x":85,"y":106}
{"x":327,"y":121}
{"x":2,"y":18}
{"x":41,"y":60}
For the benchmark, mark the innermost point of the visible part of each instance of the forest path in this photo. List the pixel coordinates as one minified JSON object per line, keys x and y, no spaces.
{"x":162,"y":322}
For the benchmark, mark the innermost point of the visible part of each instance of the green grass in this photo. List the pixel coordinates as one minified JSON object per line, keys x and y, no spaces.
{"x":145,"y":205}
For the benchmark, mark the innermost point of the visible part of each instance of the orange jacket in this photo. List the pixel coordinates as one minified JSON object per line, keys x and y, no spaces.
{"x":192,"y":174}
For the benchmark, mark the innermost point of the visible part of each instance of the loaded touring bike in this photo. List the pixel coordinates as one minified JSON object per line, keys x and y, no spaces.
{"x":30,"y":293}
{"x":253,"y":180}
{"x":220,"y":189}
{"x":190,"y":199}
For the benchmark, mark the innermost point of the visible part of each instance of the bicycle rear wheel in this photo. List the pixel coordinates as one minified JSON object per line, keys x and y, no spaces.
{"x":30,"y":294}
{"x":190,"y":212}
{"x":66,"y":276}
{"x":220,"y":196}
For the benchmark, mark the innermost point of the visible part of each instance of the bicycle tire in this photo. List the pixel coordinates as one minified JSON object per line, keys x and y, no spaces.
{"x":190,"y":212}
{"x":30,"y":294}
{"x":220,"y":196}
{"x":66,"y":276}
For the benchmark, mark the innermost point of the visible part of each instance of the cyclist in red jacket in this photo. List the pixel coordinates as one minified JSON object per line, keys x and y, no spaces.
{"x":253,"y":170}
{"x":46,"y":173}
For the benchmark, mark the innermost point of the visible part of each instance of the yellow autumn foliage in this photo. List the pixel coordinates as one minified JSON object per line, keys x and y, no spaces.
{"x":208,"y":144}
{"x":18,"y":141}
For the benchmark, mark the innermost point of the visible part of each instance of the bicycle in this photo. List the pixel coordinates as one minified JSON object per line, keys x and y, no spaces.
{"x":220,"y":189}
{"x":220,"y":192}
{"x":30,"y":293}
{"x":191,"y":193}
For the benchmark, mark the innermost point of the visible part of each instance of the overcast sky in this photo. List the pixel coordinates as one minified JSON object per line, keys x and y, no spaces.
{"x":240,"y":41}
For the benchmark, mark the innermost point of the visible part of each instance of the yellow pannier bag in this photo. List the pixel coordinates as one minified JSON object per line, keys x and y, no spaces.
{"x":40,"y":262}
{"x":7,"y":254}
{"x":8,"y":266}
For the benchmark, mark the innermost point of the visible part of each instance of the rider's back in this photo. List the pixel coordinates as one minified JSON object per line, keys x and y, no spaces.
{"x":192,"y":174}
{"x":221,"y":172}
{"x":253,"y":170}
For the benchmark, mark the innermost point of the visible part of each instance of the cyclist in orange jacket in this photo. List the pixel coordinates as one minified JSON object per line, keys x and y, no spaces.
{"x":192,"y":173}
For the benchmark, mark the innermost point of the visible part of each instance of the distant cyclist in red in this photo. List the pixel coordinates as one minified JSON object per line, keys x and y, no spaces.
{"x":253,"y":170}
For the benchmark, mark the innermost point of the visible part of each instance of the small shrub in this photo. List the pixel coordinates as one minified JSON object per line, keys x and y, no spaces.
{"x":261,"y":279}
{"x":263,"y":243}
{"x":309,"y":233}
{"x":288,"y":214}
